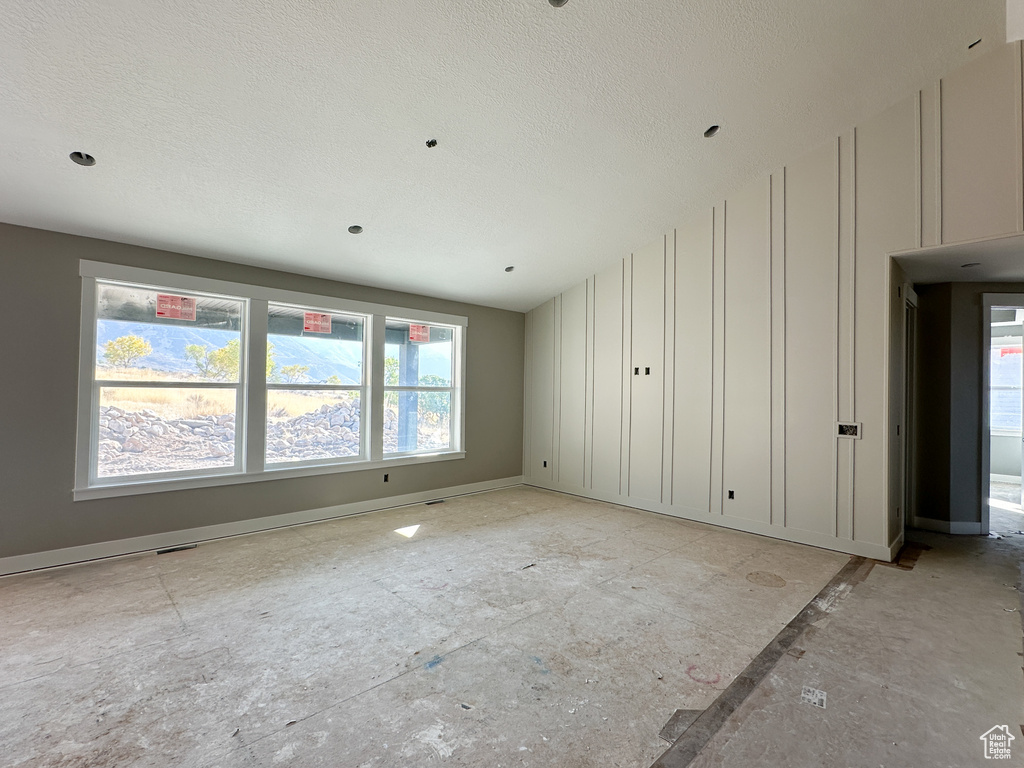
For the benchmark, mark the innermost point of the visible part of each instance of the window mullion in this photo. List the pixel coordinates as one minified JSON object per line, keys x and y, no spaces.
{"x":254,"y":406}
{"x":376,"y":368}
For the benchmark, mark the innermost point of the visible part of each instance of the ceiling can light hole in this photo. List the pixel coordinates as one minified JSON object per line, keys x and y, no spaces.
{"x":355,"y":229}
{"x":558,"y":3}
{"x":973,"y":44}
{"x":710,"y":131}
{"x":431,"y":143}
{"x":970,"y":264}
{"x":83,"y":159}
{"x":509,"y":269}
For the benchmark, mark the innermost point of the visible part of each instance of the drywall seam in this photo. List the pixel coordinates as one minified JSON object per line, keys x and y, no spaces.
{"x":137,"y":544}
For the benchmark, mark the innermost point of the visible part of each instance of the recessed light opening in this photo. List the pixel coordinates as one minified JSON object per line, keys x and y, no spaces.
{"x":509,"y":269}
{"x":970,"y":264}
{"x":710,"y":131}
{"x":431,"y":143}
{"x":355,"y":229}
{"x":558,"y":3}
{"x":973,"y":44}
{"x":83,"y":159}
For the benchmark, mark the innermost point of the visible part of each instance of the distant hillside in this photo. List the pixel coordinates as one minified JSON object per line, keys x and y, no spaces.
{"x":325,"y":358}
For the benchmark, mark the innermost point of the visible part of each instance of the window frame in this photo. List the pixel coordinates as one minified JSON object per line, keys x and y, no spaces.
{"x":454,"y":420}
{"x":251,"y":421}
{"x":97,"y":385}
{"x":363,"y":389}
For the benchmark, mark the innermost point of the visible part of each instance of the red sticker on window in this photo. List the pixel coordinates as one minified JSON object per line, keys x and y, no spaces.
{"x":316,"y":322}
{"x":175,"y":307}
{"x":419,"y":333}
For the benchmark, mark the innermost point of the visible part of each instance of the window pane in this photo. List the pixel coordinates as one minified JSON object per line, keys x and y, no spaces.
{"x":418,"y":355}
{"x":303,"y":425}
{"x":148,"y":430}
{"x":145,"y":334}
{"x":417,"y":421}
{"x":1005,"y":382}
{"x":314,"y":346}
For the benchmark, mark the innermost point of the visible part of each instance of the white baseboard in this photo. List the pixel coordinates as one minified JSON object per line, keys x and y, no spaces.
{"x":865,"y":549}
{"x":1005,"y":478}
{"x":71,"y":555}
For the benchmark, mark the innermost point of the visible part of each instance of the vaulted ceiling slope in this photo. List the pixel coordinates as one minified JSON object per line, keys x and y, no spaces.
{"x":258,"y":131}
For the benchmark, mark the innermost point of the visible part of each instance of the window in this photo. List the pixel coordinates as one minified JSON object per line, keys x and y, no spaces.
{"x":167,"y":386}
{"x":419,"y":380}
{"x":1005,"y":368}
{"x":187,"y":382}
{"x":316,"y":385}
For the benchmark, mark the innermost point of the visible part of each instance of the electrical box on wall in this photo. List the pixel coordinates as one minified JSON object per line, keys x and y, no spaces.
{"x":851,"y":430}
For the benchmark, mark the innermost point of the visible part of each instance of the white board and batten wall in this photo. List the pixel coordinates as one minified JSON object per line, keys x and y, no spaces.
{"x":704,"y":375}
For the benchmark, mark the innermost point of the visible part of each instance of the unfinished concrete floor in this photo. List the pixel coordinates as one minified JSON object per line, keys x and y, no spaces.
{"x":917,"y":666}
{"x":516,"y":627}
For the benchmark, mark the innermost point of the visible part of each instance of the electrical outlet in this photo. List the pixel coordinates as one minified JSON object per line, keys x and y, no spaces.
{"x":732,"y":494}
{"x":545,"y":464}
{"x":385,"y":477}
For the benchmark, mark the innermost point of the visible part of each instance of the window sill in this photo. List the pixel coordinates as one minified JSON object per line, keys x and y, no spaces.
{"x":283,"y":473}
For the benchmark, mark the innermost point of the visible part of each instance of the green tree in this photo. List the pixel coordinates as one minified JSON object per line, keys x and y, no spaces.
{"x":294,"y":373}
{"x":222,"y":363}
{"x":391,"y":371}
{"x":437,"y":403}
{"x":271,"y":363}
{"x":200,"y":357}
{"x":333,"y":379}
{"x":124,"y":351}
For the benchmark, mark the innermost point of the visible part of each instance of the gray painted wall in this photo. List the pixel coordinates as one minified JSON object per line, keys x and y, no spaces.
{"x":40,"y":294}
{"x":951,"y":355}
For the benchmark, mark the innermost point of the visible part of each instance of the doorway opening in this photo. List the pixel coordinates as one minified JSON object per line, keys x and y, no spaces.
{"x":1005,"y":406}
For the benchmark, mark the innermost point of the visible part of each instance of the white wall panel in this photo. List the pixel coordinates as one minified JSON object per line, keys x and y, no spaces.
{"x":647,"y":333}
{"x":811,"y":256}
{"x":886,"y":200}
{"x":746,"y":438}
{"x":606,"y":442}
{"x":691,"y":453}
{"x":768,"y":318}
{"x":541,"y":384}
{"x":981,"y":147}
{"x":572,"y":386}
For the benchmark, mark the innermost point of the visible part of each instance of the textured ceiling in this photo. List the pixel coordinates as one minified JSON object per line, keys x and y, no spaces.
{"x":257,"y":132}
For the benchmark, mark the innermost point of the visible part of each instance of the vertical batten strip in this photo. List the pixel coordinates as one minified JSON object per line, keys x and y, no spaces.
{"x":588,"y":417}
{"x":668,"y":370}
{"x":1019,"y":94}
{"x":939,"y":233}
{"x":556,"y":389}
{"x":836,"y":295}
{"x":627,"y":380}
{"x":919,"y":159}
{"x":718,"y":356}
{"x":777,"y":296}
{"x":854,"y":412}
